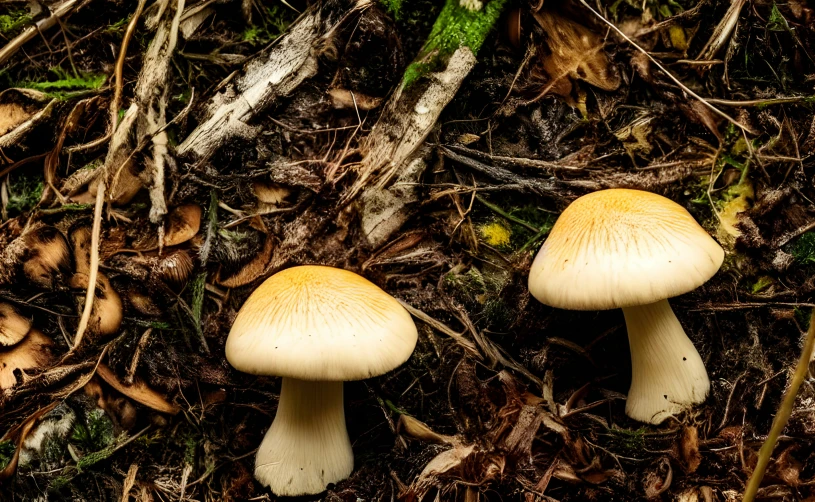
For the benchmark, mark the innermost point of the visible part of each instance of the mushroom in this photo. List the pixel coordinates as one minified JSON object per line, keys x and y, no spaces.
{"x":13,"y":326}
{"x":33,"y":352}
{"x":107,"y":310}
{"x":316,"y":327}
{"x":183,"y":223}
{"x":633,"y":250}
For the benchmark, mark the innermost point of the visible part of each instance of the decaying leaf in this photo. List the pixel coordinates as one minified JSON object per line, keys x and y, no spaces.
{"x":689,"y":448}
{"x":420,"y":430}
{"x":444,"y":463}
{"x":574,"y":52}
{"x":31,"y":353}
{"x":20,"y":111}
{"x":46,"y":253}
{"x":251,"y":270}
{"x":138,"y":392}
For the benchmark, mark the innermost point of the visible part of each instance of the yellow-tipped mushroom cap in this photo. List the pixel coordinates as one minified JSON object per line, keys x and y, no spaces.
{"x":320,"y":323}
{"x":621,"y":248}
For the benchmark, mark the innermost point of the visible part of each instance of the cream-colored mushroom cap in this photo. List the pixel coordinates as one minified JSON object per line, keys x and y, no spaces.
{"x":320,"y":323}
{"x":622,"y":248}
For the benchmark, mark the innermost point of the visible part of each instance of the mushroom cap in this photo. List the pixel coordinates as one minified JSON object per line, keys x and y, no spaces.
{"x":13,"y":326}
{"x":622,"y":248}
{"x":33,"y":352}
{"x":320,"y":323}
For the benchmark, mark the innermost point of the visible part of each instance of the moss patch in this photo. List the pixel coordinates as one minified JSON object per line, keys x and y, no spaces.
{"x":455,"y":27}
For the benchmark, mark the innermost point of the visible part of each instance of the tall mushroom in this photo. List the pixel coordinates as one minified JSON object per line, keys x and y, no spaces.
{"x":316,"y":327}
{"x":632,"y":249}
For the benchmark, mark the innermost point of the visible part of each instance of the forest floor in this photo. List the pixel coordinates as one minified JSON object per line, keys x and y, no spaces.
{"x":709,"y":103}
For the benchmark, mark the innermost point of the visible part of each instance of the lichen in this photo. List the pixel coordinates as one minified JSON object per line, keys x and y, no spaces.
{"x":495,"y":234}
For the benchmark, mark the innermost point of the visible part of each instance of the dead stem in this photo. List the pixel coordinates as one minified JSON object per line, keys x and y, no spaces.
{"x":94,"y":270}
{"x":783,"y":414}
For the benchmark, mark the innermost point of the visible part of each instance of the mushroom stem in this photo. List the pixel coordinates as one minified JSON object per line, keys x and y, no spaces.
{"x":667,"y":373}
{"x":307,"y":447}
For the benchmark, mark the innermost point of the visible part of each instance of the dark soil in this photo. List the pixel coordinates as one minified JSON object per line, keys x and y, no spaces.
{"x":545,"y":418}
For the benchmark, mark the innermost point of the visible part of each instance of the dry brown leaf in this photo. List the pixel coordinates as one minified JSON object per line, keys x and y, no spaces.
{"x":46,"y":253}
{"x":138,"y":392}
{"x":420,"y":430}
{"x":443,"y":463}
{"x":689,"y":449}
{"x":575,"y":52}
{"x":343,"y":98}
{"x":18,"y":106}
{"x":33,"y":352}
{"x":251,"y":270}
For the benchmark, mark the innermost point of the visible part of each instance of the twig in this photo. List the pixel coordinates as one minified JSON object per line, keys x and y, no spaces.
{"x":783,"y":414}
{"x":118,"y":84}
{"x":669,"y":74}
{"x":27,"y":34}
{"x":94,"y":270}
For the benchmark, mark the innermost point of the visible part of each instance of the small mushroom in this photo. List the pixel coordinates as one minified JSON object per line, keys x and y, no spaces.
{"x":33,"y":352}
{"x":46,"y":254}
{"x":633,"y":250}
{"x":13,"y":326}
{"x":175,"y":267}
{"x":183,"y":223}
{"x":81,"y":240}
{"x":316,"y":327}
{"x":107,"y":311}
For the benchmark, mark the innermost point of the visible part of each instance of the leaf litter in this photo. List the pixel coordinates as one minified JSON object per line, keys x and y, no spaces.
{"x":504,"y":398}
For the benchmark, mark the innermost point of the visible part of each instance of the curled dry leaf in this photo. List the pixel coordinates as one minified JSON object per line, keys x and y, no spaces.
{"x":107,"y":310}
{"x":574,"y":52}
{"x":46,"y":254}
{"x":443,"y":463}
{"x":251,"y":270}
{"x":81,"y":241}
{"x":270,"y":193}
{"x":20,"y":111}
{"x":138,"y":392}
{"x":13,"y":326}
{"x":118,"y":408}
{"x":343,"y":98}
{"x":183,"y":223}
{"x":420,"y":430}
{"x":33,"y":352}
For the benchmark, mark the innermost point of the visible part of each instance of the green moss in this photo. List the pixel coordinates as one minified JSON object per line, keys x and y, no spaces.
{"x":761,"y":284}
{"x":13,"y":22}
{"x":455,"y":27}
{"x":626,"y":441}
{"x":66,"y":84}
{"x":118,"y":25}
{"x":394,"y":8}
{"x":273,"y":22}
{"x":93,"y":433}
{"x":803,"y":248}
{"x":7,"y":449}
{"x":25,"y":191}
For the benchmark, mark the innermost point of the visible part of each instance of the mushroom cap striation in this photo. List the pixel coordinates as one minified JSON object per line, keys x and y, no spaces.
{"x":320,"y":323}
{"x":622,"y":248}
